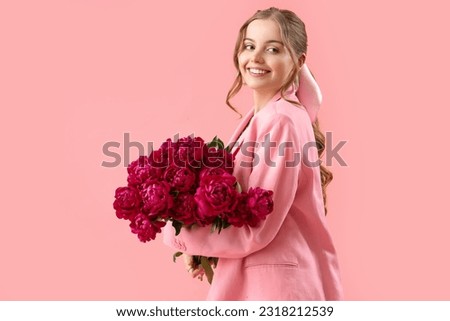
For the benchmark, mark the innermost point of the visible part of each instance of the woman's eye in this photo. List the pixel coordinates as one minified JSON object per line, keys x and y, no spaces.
{"x":248,"y":47}
{"x":273,"y":50}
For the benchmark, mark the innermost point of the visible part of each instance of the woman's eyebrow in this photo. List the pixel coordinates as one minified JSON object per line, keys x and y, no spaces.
{"x":268,"y":41}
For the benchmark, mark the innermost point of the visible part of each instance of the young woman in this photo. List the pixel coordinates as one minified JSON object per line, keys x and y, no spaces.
{"x":290,"y":255}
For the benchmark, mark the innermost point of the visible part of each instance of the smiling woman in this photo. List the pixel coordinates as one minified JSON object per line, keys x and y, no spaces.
{"x":290,"y":255}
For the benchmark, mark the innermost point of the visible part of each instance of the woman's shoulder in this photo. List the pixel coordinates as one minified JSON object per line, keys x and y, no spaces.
{"x":297,"y":112}
{"x":284,"y":111}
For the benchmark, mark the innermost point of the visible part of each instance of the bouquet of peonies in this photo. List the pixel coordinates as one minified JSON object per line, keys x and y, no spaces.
{"x":188,"y":182}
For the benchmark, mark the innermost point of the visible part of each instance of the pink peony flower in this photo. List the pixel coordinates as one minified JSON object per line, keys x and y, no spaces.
{"x":127,"y":202}
{"x":157,"y":159}
{"x":218,"y":158}
{"x":145,"y":229}
{"x":251,"y":208}
{"x":211,"y":171}
{"x":181,"y":179}
{"x":185,"y":209}
{"x":164,"y":156}
{"x":140,"y":170}
{"x":215,"y":195}
{"x":260,"y":202}
{"x":190,"y":152}
{"x":241,"y":215}
{"x":156,"y":198}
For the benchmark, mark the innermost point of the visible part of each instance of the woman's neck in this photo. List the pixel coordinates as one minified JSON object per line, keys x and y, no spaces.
{"x":261,"y":98}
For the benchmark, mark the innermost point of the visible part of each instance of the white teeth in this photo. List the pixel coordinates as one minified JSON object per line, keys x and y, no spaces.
{"x":257,"y":71}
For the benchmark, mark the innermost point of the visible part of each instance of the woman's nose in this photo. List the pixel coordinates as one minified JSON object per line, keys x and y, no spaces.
{"x":257,"y":56}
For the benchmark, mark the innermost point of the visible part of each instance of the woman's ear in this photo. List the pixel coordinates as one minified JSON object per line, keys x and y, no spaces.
{"x":301,"y":60}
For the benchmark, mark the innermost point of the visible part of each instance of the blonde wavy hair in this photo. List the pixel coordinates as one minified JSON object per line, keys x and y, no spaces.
{"x":293,"y":35}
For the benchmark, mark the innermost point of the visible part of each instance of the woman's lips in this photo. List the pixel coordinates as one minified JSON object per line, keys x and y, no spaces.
{"x":257,"y":72}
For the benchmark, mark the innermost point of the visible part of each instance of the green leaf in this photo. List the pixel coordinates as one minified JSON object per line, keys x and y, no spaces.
{"x":177,"y":254}
{"x":177,"y":225}
{"x":208,"y":269}
{"x":217,"y":225}
{"x":212,"y":143}
{"x":216,"y":142}
{"x":220,"y":224}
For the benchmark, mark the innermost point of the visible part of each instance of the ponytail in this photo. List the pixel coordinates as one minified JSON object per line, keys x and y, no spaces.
{"x":310,"y":96}
{"x":325,"y":174}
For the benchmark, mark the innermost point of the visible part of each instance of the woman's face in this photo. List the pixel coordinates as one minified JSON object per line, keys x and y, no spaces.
{"x":264,"y":61}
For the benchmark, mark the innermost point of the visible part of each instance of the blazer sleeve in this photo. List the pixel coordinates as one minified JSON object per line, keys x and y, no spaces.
{"x":272,"y":170}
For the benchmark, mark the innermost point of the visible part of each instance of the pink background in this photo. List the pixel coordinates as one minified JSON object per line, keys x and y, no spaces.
{"x":75,"y":75}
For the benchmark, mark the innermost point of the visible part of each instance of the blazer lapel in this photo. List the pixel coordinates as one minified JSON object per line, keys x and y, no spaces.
{"x":243,"y":124}
{"x":240,"y":128}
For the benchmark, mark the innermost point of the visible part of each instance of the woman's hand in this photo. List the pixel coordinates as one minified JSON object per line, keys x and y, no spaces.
{"x":193,"y":267}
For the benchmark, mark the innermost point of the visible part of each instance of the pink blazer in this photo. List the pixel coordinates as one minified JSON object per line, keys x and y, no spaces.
{"x":290,"y":256}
